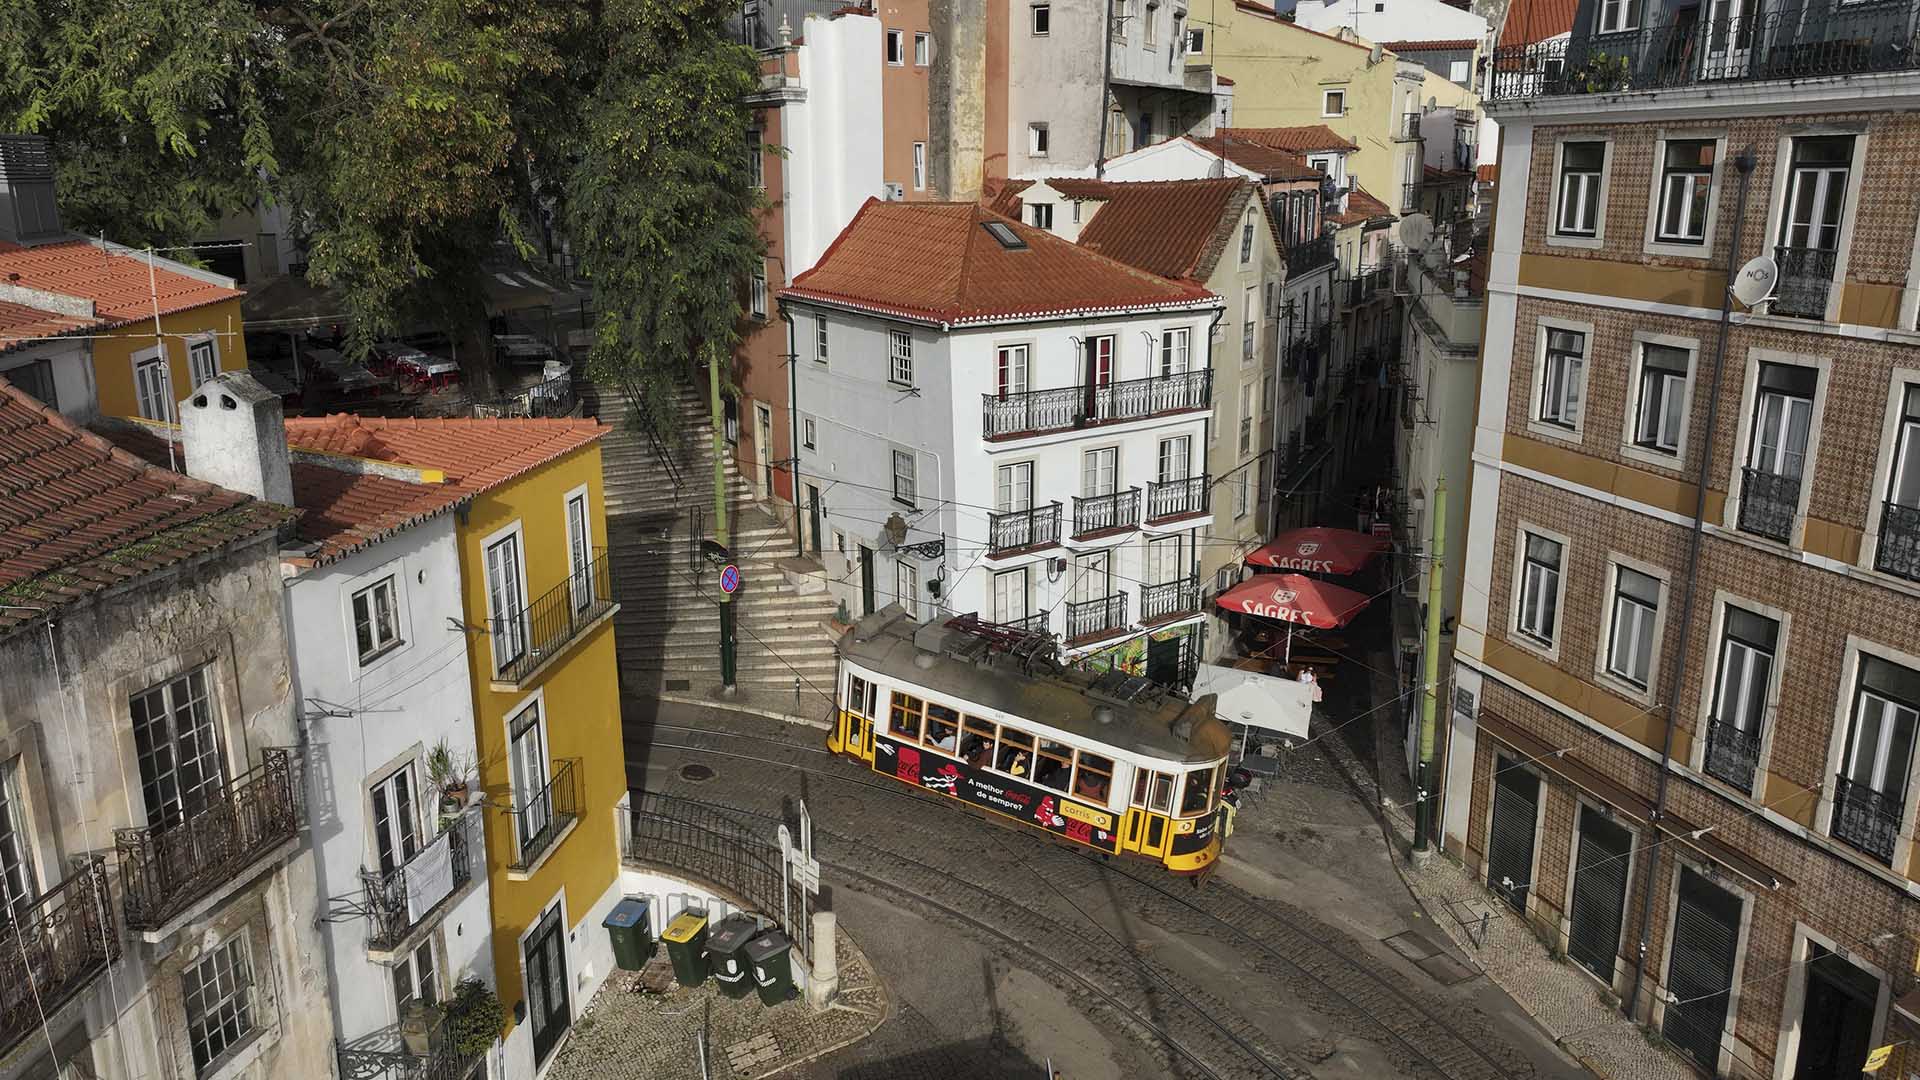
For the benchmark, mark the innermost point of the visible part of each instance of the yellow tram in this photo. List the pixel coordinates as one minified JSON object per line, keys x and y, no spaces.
{"x":1108,"y":761}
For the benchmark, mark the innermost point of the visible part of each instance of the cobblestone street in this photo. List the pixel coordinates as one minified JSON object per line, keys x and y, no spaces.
{"x":1001,"y":954}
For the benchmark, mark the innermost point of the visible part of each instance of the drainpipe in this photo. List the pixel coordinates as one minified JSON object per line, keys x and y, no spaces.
{"x":1106,"y":82}
{"x":1744,"y":162}
{"x":793,"y":428}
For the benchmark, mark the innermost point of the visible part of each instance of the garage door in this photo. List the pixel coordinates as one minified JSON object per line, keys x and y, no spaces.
{"x":1516,"y":798}
{"x":1706,"y":928}
{"x":1599,"y":892}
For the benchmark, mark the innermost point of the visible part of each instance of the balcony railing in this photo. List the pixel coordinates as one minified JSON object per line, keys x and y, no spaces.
{"x":165,"y":868}
{"x":394,"y":901}
{"x":1037,"y":412}
{"x":1169,"y":499}
{"x":1865,"y":818}
{"x":442,"y":1061}
{"x":1027,"y":624}
{"x":1409,"y":197}
{"x":1410,"y":125}
{"x":1169,"y":600}
{"x":1772,"y":42}
{"x":1899,"y":551}
{"x":1023,"y":530}
{"x":1310,"y":255}
{"x":1096,"y":514}
{"x":544,"y":815}
{"x":1768,"y":503}
{"x":53,"y":950}
{"x":1732,"y":754}
{"x":1366,"y":283}
{"x":558,"y":616}
{"x":1806,"y":280}
{"x":1096,"y":618}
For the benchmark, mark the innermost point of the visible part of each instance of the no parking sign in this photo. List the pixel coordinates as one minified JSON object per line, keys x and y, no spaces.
{"x":730,"y":579}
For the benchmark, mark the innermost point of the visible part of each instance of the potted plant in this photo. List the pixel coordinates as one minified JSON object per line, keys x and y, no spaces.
{"x":447,"y":771}
{"x":473,"y":1017}
{"x":417,"y":1022}
{"x":842,"y":619}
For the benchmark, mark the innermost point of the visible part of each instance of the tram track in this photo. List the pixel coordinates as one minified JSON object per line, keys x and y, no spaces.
{"x":1340,"y":984}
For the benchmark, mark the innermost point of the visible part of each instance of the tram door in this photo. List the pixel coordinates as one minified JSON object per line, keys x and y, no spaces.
{"x":856,"y":717}
{"x":1146,"y":828}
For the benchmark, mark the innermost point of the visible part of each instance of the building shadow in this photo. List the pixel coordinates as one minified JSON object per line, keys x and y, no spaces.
{"x":987,"y":1058}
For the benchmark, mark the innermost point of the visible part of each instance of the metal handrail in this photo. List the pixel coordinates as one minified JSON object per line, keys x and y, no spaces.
{"x":164,"y":868}
{"x":1410,"y":125}
{"x":442,"y":1061}
{"x":1899,"y":550}
{"x":1310,"y":255}
{"x":1014,"y":530}
{"x":1410,"y":196}
{"x":387,"y":895}
{"x":54,"y":949}
{"x":1033,"y":412}
{"x":1806,"y":281}
{"x":1169,"y":599}
{"x":1866,"y":819}
{"x":544,"y":815}
{"x":1733,"y":755}
{"x":1786,"y":43}
{"x":1091,"y":618}
{"x":557,"y":616}
{"x":1768,"y":503}
{"x":706,"y":842}
{"x":1178,"y":498}
{"x":1103,"y":513}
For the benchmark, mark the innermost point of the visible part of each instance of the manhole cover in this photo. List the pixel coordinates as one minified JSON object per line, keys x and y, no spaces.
{"x":696,"y":773}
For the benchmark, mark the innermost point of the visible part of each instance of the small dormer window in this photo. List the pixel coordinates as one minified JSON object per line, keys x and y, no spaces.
{"x":1004,"y":233}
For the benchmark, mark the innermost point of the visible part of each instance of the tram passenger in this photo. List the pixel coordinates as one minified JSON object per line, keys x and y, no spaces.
{"x":1013,"y":761}
{"x":1091,"y":786}
{"x":1050,"y":773}
{"x":942,"y":734}
{"x":976,"y":751}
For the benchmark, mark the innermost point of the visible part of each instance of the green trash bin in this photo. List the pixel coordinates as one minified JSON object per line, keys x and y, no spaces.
{"x":686,"y":938}
{"x":727,"y":954}
{"x":631,"y":932}
{"x":771,"y":957}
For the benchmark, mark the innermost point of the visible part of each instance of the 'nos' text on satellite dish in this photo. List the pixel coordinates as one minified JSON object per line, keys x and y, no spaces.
{"x":1754,"y":282}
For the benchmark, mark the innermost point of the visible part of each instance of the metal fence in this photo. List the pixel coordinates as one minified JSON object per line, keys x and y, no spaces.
{"x":545,"y":815}
{"x":387,"y":907}
{"x":717,"y":848}
{"x":164,"y":868}
{"x":557,"y":616}
{"x":54,"y":948}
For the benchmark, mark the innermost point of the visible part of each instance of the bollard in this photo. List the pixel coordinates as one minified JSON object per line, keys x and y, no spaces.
{"x":824,"y":984}
{"x":796,"y":695}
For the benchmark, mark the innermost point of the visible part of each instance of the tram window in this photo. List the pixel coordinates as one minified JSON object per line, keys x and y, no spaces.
{"x":905,"y":719}
{"x":1053,"y":765}
{"x":943,"y":728}
{"x":976,"y":746}
{"x":1198,"y":794}
{"x":1095,"y":777}
{"x":1160,"y":800}
{"x":1016,"y":752}
{"x":860,"y":696}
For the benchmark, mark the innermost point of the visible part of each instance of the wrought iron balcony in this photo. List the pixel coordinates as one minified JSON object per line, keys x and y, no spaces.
{"x":540,"y":819}
{"x":1310,"y":255}
{"x":1409,"y":125}
{"x":403,"y":899}
{"x":1768,"y":503}
{"x":1039,"y":412}
{"x":1771,"y":43}
{"x":1171,"y":499}
{"x":1899,"y":550}
{"x":1732,"y":754}
{"x":165,"y":868}
{"x":1169,"y":600}
{"x":1410,"y":197}
{"x":1806,"y":280}
{"x":1367,"y":283}
{"x":555,"y":618}
{"x":1028,"y":624}
{"x":1866,"y":819}
{"x":53,"y":950}
{"x":1097,"y":514}
{"x":442,"y":1061}
{"x":1091,"y":619}
{"x":1023,"y":530}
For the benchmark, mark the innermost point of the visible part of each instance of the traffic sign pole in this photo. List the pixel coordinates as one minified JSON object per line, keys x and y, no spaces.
{"x":718,"y":417}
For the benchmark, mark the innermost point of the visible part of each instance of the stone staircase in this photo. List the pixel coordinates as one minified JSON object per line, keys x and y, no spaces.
{"x":668,"y":632}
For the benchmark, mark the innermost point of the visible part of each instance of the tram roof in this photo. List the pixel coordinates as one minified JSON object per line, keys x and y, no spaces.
{"x":955,"y":663}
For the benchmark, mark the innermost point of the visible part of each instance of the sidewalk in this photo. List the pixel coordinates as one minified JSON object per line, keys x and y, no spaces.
{"x":1578,"y":1013}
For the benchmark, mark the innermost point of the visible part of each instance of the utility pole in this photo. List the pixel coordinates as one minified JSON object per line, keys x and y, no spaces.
{"x":1430,"y":698}
{"x":720,"y":514}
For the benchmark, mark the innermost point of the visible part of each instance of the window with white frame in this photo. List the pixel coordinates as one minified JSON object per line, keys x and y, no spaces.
{"x":919,"y":166}
{"x":1246,"y":239}
{"x":1777,"y":449}
{"x":1808,"y":254}
{"x":1562,"y":377}
{"x":1899,"y":549}
{"x":906,"y":586}
{"x":922,"y":50}
{"x":1042,"y":20}
{"x":807,"y":437}
{"x":756,"y":162}
{"x":1150,"y":25}
{"x":176,"y":738}
{"x":1099,"y":471}
{"x":530,"y":772}
{"x":1037,"y":140}
{"x":1242,"y":492}
{"x":1175,"y":458}
{"x":757,"y":295}
{"x":1333,"y":103}
{"x":1249,"y":322}
{"x":1618,"y":15}
{"x":1164,"y":562}
{"x":1686,"y":190}
{"x":1041,"y":214}
{"x":203,"y":359}
{"x":900,"y":354}
{"x":396,"y":820}
{"x":1267,"y":394}
{"x":1197,"y":41}
{"x":1246,"y":419}
{"x":1010,"y":370}
{"x":218,"y":995}
{"x":1092,"y":577}
{"x":153,"y":389}
{"x":1540,"y":570}
{"x":1743,"y":684}
{"x":1175,"y":351}
{"x":1582,"y":165}
{"x":904,"y":480}
{"x":896,"y":48}
{"x":1870,"y":794}
{"x":376,"y":622}
{"x":416,"y":981}
{"x":1013,"y":487}
{"x":1010,"y":596}
{"x":17,"y":879}
{"x":1660,"y":399}
{"x":509,"y":630}
{"x":1636,"y":610}
{"x":820,"y":339}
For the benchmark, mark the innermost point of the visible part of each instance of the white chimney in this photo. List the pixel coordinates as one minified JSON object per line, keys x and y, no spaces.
{"x":235,"y":436}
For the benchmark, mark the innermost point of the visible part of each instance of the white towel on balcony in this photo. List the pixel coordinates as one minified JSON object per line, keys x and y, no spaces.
{"x":429,"y":877}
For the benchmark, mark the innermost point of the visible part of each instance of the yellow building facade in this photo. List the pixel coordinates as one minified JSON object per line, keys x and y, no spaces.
{"x":211,"y":334}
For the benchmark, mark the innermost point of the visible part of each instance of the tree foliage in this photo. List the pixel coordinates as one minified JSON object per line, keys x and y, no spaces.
{"x":409,"y":138}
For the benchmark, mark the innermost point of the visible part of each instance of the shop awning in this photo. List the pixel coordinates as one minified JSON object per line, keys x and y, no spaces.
{"x":1292,"y":598}
{"x":1319,"y":550}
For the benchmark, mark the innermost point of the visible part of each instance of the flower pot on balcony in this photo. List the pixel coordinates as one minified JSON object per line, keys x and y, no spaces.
{"x":453,"y":799}
{"x":417,"y":1022}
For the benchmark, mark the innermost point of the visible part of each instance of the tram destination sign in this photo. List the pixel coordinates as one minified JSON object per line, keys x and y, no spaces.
{"x":1035,"y":806}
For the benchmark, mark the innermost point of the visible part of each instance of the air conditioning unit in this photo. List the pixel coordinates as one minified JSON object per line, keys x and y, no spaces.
{"x":895,"y":192}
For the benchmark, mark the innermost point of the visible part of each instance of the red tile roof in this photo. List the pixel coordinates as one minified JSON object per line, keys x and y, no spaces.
{"x":937,"y":262}
{"x":1299,"y":140}
{"x":1452,"y":45}
{"x":21,"y":325}
{"x":1264,"y":161}
{"x":1487,"y":174}
{"x":1166,"y":227}
{"x":1006,"y":201}
{"x":116,"y":282}
{"x":1222,"y":80}
{"x":78,"y":514}
{"x":1078,"y":187}
{"x":1361,"y":207}
{"x":475,"y":455}
{"x":1528,"y":21}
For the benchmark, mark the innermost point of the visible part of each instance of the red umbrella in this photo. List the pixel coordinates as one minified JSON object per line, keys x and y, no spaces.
{"x":1320,"y":550}
{"x":1291,"y":598}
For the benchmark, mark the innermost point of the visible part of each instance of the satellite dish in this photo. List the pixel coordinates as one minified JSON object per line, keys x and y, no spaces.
{"x":1754,"y":283}
{"x":1416,"y":230}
